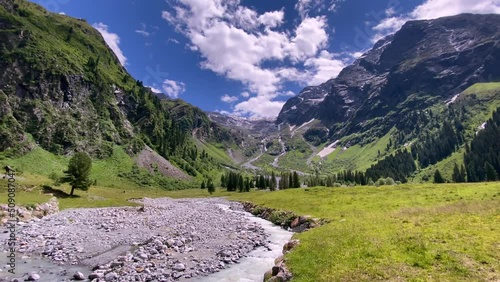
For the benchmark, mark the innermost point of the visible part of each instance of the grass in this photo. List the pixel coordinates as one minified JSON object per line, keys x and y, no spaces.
{"x":356,"y":157}
{"x":420,"y":232}
{"x":481,"y":88}
{"x":396,"y":233}
{"x":445,"y":167}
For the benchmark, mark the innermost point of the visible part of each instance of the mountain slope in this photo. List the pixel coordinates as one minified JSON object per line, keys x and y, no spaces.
{"x":63,"y":88}
{"x":402,"y":91}
{"x":439,"y":58}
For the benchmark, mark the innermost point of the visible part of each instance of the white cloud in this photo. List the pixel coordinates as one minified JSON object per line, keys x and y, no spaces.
{"x":432,"y":9}
{"x":245,"y":94}
{"x":390,"y":11}
{"x":222,"y":112}
{"x":239,"y":43}
{"x":310,"y":37}
{"x":142,"y":31}
{"x":155,"y":90}
{"x":326,"y":66}
{"x":173,"y":88}
{"x":287,"y":93}
{"x":228,"y":99}
{"x":303,"y":6}
{"x":259,"y":106}
{"x":113,"y":41}
{"x":272,"y":19}
{"x":306,"y":7}
{"x":173,"y":40}
{"x":356,"y":55}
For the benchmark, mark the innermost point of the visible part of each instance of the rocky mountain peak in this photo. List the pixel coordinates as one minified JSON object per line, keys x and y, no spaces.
{"x":439,"y":57}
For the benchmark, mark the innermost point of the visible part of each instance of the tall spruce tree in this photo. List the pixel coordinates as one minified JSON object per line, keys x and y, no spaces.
{"x":438,"y":178}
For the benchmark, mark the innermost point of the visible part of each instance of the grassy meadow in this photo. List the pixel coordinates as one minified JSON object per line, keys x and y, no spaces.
{"x":448,"y":232}
{"x":412,"y":232}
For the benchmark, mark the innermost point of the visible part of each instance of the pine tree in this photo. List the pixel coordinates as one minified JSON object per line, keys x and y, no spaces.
{"x":462,"y":174}
{"x":273,"y":182}
{"x":247,"y":184}
{"x":262,"y":182}
{"x":456,"y":176}
{"x":241,"y":185}
{"x":211,"y":186}
{"x":438,"y":178}
{"x":491,"y":174}
{"x":223,"y":181}
{"x":296,"y":181}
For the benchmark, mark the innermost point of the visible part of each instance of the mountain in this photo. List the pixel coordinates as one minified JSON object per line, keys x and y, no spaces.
{"x":63,"y":89}
{"x":435,"y":58}
{"x":427,"y":89}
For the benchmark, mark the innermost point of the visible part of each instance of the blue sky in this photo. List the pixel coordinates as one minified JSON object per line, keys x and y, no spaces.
{"x":247,"y":57}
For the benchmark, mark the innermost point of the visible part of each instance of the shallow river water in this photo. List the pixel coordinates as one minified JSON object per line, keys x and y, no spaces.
{"x":249,"y":269}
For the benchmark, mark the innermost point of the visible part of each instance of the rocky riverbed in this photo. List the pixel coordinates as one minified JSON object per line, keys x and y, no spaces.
{"x":167,"y":240}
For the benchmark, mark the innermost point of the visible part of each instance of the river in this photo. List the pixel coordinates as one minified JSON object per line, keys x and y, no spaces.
{"x":250,"y":268}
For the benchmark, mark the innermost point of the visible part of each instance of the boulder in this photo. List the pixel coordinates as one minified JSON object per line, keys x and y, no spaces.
{"x":290,"y":245}
{"x":33,"y":277}
{"x":179,"y":267}
{"x":78,"y":276}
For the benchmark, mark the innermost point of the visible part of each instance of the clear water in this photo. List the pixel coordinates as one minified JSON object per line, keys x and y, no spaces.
{"x":257,"y":262}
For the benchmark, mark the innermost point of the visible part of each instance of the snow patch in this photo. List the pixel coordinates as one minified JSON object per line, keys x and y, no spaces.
{"x":303,"y":125}
{"x":453,"y":99}
{"x":481,"y":127}
{"x":317,"y":101}
{"x":328,"y":150}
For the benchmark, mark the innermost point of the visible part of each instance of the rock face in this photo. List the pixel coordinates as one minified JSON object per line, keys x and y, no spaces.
{"x":439,"y":58}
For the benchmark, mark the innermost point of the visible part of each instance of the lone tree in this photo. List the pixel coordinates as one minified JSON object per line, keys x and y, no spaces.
{"x":78,"y":172}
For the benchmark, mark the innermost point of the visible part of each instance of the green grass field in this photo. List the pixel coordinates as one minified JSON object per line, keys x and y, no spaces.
{"x":446,"y":232}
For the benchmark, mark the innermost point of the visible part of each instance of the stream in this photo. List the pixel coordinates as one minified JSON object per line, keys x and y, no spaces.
{"x":258,"y":261}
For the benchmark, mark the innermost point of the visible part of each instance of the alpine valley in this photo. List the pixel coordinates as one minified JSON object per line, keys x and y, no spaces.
{"x":395,"y":161}
{"x":426,"y":90}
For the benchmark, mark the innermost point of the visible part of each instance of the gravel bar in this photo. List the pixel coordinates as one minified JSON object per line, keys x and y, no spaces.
{"x":166,"y":240}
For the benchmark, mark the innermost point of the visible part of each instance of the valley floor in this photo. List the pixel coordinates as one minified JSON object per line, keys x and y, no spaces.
{"x":424,"y":232}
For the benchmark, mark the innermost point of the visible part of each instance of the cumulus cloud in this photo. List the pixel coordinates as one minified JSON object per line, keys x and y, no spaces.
{"x":228,"y":99}
{"x":326,"y":66}
{"x":245,"y":94}
{"x":173,"y":88}
{"x":113,"y":41}
{"x":239,"y":43}
{"x":259,"y":106}
{"x":432,"y":9}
